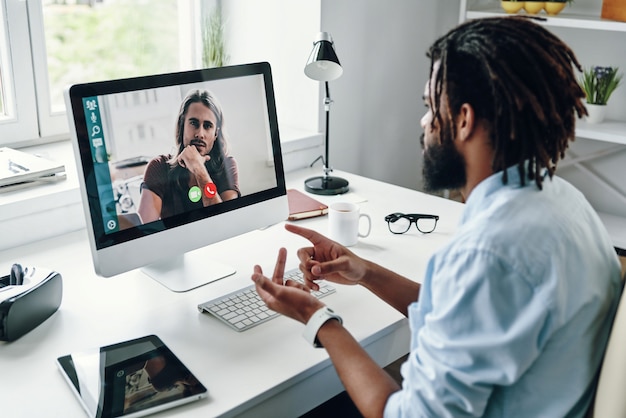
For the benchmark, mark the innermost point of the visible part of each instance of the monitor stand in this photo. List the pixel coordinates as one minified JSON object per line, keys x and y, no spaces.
{"x":187,"y":272}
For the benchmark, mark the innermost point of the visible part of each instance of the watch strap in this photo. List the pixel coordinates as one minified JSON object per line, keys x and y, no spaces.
{"x":316,"y":321}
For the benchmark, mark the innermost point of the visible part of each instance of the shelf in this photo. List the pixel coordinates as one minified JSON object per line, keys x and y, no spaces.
{"x":564,"y":19}
{"x":576,"y":16}
{"x":607,"y":131}
{"x":613,"y":131}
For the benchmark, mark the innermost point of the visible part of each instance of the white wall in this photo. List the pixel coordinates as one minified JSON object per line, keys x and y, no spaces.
{"x":374,"y":120}
{"x":374,"y":128}
{"x":282,"y":33}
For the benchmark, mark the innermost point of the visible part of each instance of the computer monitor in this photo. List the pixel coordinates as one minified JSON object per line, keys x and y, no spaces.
{"x":153,"y":195}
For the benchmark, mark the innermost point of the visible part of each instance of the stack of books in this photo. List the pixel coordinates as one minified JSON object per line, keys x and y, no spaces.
{"x":19,"y":169}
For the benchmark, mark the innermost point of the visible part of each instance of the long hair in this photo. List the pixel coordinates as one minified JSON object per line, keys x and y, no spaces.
{"x":519,"y":79}
{"x":220,"y":147}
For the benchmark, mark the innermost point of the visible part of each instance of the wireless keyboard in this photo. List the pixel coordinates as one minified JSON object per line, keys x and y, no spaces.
{"x":244,"y":309}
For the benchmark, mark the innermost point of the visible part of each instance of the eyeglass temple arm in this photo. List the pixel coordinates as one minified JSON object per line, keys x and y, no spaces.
{"x":421,"y":216}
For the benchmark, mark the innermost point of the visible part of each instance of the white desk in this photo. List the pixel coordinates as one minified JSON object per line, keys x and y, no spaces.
{"x":266,"y":371}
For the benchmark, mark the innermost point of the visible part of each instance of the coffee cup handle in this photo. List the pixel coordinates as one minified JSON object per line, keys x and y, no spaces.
{"x":369,"y":225}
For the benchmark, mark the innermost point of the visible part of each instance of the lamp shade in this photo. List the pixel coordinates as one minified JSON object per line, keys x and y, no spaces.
{"x":323,"y":64}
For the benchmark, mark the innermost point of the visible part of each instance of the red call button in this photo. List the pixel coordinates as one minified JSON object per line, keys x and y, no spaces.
{"x":210,"y":190}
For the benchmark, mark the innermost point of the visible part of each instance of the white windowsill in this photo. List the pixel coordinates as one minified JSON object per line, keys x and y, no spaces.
{"x":48,"y":210}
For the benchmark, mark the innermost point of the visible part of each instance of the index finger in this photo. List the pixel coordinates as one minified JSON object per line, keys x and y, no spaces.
{"x":279,"y":269}
{"x":313,"y":236}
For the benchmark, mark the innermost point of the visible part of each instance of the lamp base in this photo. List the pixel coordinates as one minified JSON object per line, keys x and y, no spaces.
{"x":326,"y":185}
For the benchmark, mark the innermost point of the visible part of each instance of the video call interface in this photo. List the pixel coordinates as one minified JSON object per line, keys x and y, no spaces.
{"x":127,"y":130}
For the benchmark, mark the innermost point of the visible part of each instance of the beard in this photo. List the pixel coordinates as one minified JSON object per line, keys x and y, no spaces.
{"x":444,"y":166}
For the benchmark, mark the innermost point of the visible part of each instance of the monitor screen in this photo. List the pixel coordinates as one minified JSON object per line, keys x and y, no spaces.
{"x":164,"y":156}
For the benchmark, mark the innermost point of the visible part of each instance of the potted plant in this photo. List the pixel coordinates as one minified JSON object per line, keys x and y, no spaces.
{"x":599,"y":83}
{"x":213,"y":42}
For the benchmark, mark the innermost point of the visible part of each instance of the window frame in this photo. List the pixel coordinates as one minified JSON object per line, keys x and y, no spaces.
{"x":22,"y":127}
{"x":51,"y":124}
{"x":26,"y":74}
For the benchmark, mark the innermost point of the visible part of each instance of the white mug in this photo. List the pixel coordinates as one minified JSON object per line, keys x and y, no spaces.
{"x":344,"y":220}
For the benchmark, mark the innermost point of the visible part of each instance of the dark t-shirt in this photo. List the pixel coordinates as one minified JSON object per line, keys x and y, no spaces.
{"x":174,"y":199}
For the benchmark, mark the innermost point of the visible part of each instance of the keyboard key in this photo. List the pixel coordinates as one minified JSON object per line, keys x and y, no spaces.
{"x":244,"y":309}
{"x":235,"y":318}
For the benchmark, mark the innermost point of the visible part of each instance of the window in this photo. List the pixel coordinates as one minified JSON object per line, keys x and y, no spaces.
{"x":47,"y":45}
{"x":4,"y":64}
{"x":18,"y":117}
{"x":95,"y":40}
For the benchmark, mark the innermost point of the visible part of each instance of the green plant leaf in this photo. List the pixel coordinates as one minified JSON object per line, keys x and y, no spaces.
{"x":213,"y":45}
{"x":599,"y":83}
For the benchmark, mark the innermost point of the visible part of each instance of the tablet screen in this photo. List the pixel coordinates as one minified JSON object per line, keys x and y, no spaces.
{"x":131,"y":379}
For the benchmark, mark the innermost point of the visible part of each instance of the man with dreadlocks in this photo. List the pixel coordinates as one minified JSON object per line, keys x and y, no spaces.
{"x":514,"y":313}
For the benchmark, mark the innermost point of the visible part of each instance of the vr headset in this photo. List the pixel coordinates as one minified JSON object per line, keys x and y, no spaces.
{"x":28,"y":296}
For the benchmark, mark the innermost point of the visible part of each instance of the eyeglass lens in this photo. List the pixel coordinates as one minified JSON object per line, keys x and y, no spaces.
{"x":426,"y":225}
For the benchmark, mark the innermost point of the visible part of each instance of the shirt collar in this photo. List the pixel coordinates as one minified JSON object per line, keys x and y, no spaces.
{"x":489,"y":186}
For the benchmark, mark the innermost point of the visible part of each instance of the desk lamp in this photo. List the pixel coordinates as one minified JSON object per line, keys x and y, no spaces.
{"x":323,"y":65}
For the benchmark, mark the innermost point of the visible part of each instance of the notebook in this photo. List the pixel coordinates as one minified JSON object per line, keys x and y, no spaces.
{"x":302,"y":206}
{"x":22,"y":167}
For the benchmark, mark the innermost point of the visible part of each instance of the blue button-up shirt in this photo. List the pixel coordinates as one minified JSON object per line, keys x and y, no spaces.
{"x":514,"y":313}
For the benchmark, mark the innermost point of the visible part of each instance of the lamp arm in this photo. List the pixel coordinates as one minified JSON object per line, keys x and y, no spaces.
{"x":327,"y":102}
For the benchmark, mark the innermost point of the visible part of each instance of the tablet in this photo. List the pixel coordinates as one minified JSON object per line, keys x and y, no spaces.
{"x":130,"y":379}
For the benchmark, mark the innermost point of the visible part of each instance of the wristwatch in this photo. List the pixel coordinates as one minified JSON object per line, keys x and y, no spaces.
{"x":316,"y":321}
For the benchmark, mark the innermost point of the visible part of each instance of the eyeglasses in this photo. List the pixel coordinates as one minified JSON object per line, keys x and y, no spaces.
{"x":399,"y":223}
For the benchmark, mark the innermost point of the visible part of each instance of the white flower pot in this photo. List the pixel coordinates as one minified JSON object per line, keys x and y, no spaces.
{"x":596,"y":113}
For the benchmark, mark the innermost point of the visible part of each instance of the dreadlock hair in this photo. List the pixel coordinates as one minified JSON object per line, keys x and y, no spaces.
{"x":518,"y":77}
